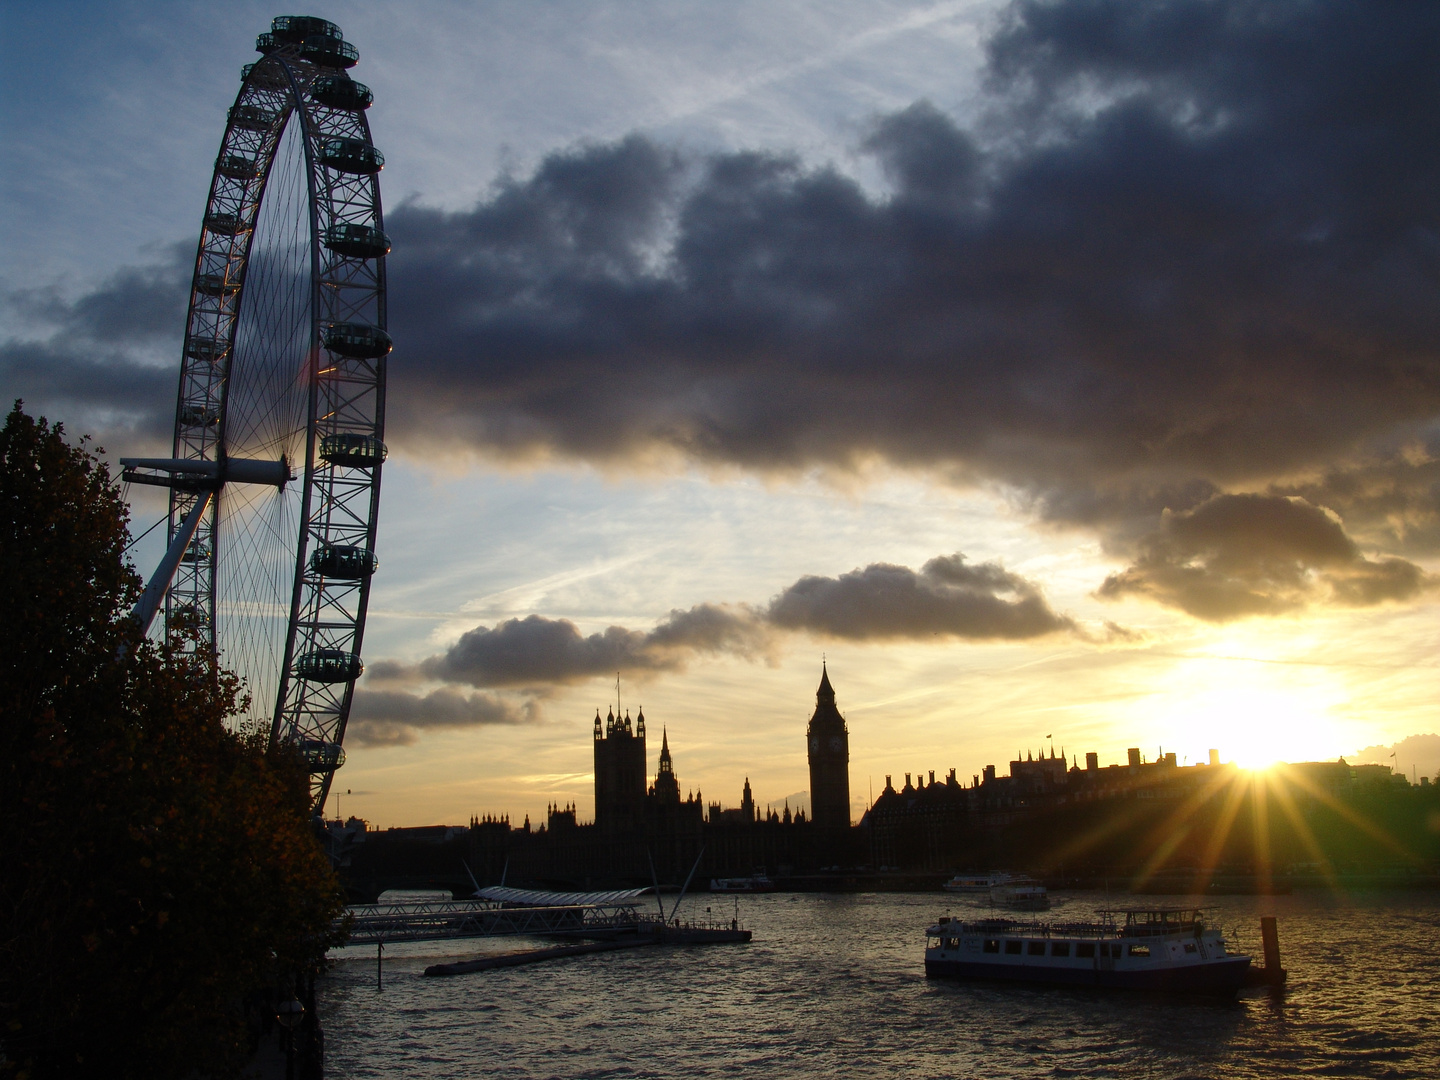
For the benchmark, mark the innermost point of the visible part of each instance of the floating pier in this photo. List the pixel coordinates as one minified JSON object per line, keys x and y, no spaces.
{"x":373,"y":924}
{"x":533,"y":956}
{"x":647,"y":932}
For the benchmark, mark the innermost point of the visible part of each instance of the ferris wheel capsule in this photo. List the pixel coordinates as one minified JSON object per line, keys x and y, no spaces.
{"x":341,"y":92}
{"x":321,"y":756}
{"x":344,"y":561}
{"x":354,"y":449}
{"x":329,"y":52}
{"x":358,"y":341}
{"x":357,"y":241}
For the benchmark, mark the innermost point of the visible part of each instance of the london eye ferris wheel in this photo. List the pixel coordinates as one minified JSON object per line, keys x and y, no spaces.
{"x":274,"y":478}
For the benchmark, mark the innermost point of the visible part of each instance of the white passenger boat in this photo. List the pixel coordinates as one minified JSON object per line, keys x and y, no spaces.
{"x":975,"y":883}
{"x":755,"y":883}
{"x":1165,"y":949}
{"x":1020,"y":894}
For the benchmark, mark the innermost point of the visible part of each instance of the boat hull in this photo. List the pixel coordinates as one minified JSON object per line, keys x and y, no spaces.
{"x":1214,"y":977}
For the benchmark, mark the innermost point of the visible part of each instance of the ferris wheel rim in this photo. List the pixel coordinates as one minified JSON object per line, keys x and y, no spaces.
{"x":298,"y":90}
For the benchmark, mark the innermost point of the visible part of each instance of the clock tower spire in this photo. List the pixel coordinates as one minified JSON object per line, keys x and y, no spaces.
{"x":829,"y":745}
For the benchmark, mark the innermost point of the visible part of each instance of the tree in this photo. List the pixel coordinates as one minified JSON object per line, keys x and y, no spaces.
{"x":161,"y":880}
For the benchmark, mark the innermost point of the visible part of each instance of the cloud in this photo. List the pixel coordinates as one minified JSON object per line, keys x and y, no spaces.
{"x":536,"y":651}
{"x":1389,"y":499}
{"x":110,"y":397}
{"x":1186,"y":248}
{"x":1236,"y":556}
{"x":396,"y":717}
{"x":947,"y":598}
{"x":97,"y":362}
{"x":1420,"y":752}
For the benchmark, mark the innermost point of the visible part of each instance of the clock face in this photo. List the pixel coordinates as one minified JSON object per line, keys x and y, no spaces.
{"x":814,"y":742}
{"x":836,"y":743}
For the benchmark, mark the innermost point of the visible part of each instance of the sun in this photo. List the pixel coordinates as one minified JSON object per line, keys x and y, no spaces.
{"x":1255,"y":723}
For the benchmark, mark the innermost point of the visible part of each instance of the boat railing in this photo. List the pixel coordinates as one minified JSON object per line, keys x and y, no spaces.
{"x":1072,"y":930}
{"x":648,"y":923}
{"x":1009,"y":928}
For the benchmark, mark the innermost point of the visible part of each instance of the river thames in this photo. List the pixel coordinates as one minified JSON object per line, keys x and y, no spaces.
{"x":834,"y":985}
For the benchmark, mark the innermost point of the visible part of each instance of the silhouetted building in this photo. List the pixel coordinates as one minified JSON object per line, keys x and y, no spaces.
{"x":919,"y":827}
{"x":561,"y":817}
{"x":619,"y":773}
{"x":829,"y":742}
{"x":674,"y":828}
{"x":743,"y":815}
{"x":666,"y":789}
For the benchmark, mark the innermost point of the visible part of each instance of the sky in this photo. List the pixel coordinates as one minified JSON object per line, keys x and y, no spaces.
{"x":1062,"y":374}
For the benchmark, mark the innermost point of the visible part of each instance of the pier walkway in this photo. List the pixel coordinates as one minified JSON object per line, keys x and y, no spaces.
{"x":382,"y":924}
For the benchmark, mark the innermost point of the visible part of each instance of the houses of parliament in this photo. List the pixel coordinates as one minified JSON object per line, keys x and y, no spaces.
{"x":641,"y":825}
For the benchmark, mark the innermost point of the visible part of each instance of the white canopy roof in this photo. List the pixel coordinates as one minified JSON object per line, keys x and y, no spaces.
{"x":543,"y":898}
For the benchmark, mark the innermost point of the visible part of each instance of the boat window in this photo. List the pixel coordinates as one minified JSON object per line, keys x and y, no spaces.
{"x":1085,"y":948}
{"x":1139,"y":950}
{"x":1012,"y":948}
{"x":1037,"y":948}
{"x":1060,"y":948}
{"x":1189,"y":946}
{"x":952,"y":943}
{"x":992,"y":945}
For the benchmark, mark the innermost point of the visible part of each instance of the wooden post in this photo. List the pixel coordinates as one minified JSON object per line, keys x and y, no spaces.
{"x":379,"y":976}
{"x":1271,"y":938}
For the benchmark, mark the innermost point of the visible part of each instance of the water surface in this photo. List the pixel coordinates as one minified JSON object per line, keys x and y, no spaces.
{"x":835,"y":986}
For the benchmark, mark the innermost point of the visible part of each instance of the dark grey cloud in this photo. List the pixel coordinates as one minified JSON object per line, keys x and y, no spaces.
{"x":397,"y":717}
{"x":947,"y":597}
{"x":1393,"y":500}
{"x":536,"y":651}
{"x":1191,"y":248}
{"x":111,"y":397}
{"x":98,"y":362}
{"x":1187,"y":248}
{"x":1244,"y":555}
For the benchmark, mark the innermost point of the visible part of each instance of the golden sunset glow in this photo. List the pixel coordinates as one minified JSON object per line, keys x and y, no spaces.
{"x":710,"y":361}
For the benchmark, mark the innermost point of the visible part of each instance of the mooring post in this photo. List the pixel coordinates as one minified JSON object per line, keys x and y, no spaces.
{"x":379,"y":956}
{"x":1271,"y":938}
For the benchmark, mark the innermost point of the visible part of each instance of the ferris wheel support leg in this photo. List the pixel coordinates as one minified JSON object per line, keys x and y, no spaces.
{"x":149,"y":602}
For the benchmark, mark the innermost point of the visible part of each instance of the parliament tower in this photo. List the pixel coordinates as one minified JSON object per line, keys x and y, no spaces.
{"x":619,"y":772}
{"x":829,"y":760}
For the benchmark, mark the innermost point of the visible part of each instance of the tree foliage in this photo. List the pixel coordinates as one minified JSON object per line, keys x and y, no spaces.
{"x":159,"y":880}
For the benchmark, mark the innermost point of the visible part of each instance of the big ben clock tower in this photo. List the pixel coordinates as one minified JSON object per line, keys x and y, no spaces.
{"x":829,"y":760}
